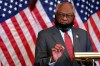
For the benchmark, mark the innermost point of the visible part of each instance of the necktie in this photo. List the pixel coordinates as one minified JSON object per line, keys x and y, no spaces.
{"x":69,"y":45}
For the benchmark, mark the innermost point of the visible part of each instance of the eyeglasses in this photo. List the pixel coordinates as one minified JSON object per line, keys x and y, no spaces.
{"x":66,"y":15}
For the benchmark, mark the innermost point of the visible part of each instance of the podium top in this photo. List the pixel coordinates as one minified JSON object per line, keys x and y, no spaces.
{"x":87,"y":55}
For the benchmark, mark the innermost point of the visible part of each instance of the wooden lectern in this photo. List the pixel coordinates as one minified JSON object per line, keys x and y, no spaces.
{"x":87,"y":56}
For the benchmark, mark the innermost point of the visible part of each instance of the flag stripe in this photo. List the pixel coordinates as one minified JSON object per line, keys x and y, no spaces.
{"x":33,"y":24}
{"x":97,"y":33}
{"x":9,"y":45}
{"x":6,"y":52}
{"x":20,"y":33}
{"x":94,"y":37}
{"x":75,"y":23}
{"x":19,"y":41}
{"x":92,"y":34}
{"x":37,"y":24}
{"x":42,"y":13}
{"x":98,"y":13}
{"x":8,"y":57}
{"x":14,"y":44}
{"x":95,"y":50}
{"x":27,"y":35}
{"x":86,"y":24}
{"x":28,"y":25}
{"x":96,"y":20}
{"x":3,"y":59}
{"x":19,"y":26}
{"x":39,"y":18}
{"x":30,"y":31}
{"x":93,"y":44}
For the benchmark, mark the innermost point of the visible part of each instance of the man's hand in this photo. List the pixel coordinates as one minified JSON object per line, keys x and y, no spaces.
{"x":57,"y":52}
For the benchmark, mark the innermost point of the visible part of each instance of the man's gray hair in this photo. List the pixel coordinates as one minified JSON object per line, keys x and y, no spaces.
{"x":59,"y":4}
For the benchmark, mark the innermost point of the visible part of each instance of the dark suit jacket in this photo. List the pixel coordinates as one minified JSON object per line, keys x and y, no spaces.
{"x":51,"y":36}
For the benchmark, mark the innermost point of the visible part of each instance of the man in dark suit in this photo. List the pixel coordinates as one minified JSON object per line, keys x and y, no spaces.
{"x":51,"y":47}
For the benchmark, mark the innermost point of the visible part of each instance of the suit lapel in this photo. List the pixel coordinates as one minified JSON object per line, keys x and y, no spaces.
{"x":76,"y":38}
{"x":57,"y":36}
{"x":58,"y":39}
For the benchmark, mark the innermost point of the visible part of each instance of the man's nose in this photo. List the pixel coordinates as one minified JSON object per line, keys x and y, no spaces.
{"x":65,"y":18}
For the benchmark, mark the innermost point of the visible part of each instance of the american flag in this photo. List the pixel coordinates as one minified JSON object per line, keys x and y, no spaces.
{"x":17,"y":33}
{"x":19,"y":26}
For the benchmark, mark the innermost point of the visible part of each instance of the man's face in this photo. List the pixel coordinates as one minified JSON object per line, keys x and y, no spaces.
{"x":65,"y":14}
